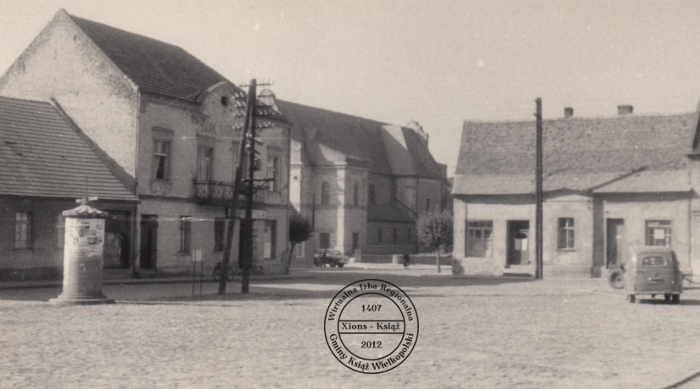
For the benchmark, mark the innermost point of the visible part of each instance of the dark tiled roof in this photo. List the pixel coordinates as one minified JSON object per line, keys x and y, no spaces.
{"x":154,"y":66}
{"x":627,"y":153}
{"x":388,"y":213}
{"x":43,"y":155}
{"x":358,"y":138}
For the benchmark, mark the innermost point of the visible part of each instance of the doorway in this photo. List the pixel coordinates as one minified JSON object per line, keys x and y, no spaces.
{"x":117,"y":246}
{"x":615,"y":242}
{"x":518,"y":238}
{"x":149,"y":241}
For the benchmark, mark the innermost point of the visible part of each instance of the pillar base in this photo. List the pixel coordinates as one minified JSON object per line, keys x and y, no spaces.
{"x":81,"y":300}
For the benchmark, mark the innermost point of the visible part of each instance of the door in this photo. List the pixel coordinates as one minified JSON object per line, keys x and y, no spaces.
{"x":117,"y":247}
{"x":615,"y":243}
{"x":149,"y":241}
{"x":518,"y":242}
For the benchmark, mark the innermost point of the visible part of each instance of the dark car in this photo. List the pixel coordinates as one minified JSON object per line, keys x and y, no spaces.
{"x":330,"y":257}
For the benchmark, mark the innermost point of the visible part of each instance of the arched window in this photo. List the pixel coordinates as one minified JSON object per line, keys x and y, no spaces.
{"x":371,"y":194}
{"x":355,"y":195}
{"x":325,"y":194}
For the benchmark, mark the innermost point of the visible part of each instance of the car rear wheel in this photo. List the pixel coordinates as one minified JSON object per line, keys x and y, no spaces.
{"x":341,"y":264}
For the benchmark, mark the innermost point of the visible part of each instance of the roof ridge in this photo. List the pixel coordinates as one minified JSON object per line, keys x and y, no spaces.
{"x":580,"y":118}
{"x":122,"y":30}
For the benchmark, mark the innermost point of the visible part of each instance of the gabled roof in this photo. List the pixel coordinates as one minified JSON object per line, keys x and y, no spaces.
{"x":43,"y":155}
{"x":627,"y":153}
{"x":364,"y":142}
{"x":156,"y":67}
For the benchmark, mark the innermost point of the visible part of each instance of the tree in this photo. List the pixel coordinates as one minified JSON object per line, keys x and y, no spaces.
{"x":300,"y":230}
{"x":435,"y":232}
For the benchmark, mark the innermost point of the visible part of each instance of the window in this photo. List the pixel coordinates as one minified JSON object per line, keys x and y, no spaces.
{"x":396,"y":234}
{"x":372,"y":193}
{"x":273,"y":166}
{"x":658,"y":233}
{"x":205,"y":156}
{"x":219,"y":235}
{"x":60,"y":231}
{"x":325,"y":240}
{"x":161,"y":159}
{"x":270,"y":239}
{"x":355,"y":194}
{"x":23,"y":231}
{"x":427,"y":204}
{"x":299,"y":250}
{"x":379,"y":235}
{"x":355,"y":241}
{"x":479,"y":238}
{"x":566,"y":233}
{"x":325,"y":194}
{"x":185,"y":234}
{"x":410,"y":234}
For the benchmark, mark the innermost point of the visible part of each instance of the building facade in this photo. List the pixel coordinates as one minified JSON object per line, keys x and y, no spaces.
{"x":173,"y":125}
{"x":609,"y":184}
{"x":362,"y":183}
{"x":46,"y":164}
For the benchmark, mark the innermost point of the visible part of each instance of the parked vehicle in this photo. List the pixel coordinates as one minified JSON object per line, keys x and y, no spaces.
{"x":651,"y":271}
{"x":330,"y":257}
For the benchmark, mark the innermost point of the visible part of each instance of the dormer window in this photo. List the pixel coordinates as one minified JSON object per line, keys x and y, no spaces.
{"x":224,"y":100}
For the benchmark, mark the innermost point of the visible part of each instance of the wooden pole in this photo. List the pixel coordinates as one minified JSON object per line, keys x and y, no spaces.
{"x":236,"y":190}
{"x":538,"y":194}
{"x":246,"y":259}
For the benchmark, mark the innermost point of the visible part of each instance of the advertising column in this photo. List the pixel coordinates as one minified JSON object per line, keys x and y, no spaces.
{"x":83,"y":257}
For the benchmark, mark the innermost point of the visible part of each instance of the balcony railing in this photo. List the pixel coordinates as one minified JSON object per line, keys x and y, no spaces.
{"x":221,"y":192}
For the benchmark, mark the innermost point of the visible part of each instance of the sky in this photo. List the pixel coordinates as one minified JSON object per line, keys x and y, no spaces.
{"x":438,"y":62}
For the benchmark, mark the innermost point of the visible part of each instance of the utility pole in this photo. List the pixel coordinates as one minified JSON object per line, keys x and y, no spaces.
{"x":225,"y":263}
{"x":538,"y":193}
{"x":246,"y":258}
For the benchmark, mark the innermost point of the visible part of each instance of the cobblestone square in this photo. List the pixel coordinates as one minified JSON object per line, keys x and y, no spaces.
{"x":474,"y":333}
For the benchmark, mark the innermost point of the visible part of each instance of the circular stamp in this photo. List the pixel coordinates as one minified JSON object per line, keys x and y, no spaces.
{"x":371,"y":326}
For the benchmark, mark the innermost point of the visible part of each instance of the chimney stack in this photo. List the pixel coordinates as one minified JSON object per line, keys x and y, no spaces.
{"x":625,"y":109}
{"x":568,"y":112}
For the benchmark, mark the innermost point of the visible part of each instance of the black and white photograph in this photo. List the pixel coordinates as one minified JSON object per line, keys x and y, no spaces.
{"x":350,"y":194}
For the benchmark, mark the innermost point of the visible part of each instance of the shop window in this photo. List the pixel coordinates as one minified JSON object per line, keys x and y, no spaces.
{"x":219,"y":235}
{"x":355,"y":241}
{"x":185,"y":234}
{"x":270,"y":245}
{"x":23,"y":231}
{"x":379,"y":235}
{"x":658,"y":233}
{"x":427,"y":205}
{"x":479,"y":238}
{"x":566,"y":233}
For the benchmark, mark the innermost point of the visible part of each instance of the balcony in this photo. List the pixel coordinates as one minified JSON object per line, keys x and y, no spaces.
{"x":220,"y":193}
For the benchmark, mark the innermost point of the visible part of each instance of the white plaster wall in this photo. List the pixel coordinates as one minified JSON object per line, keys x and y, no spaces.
{"x":65,"y":64}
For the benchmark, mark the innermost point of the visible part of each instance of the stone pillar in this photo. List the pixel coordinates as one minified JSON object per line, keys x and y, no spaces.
{"x":83,"y":257}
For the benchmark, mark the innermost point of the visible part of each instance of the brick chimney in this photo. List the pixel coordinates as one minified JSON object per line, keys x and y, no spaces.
{"x":625,"y":109}
{"x":568,"y":112}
